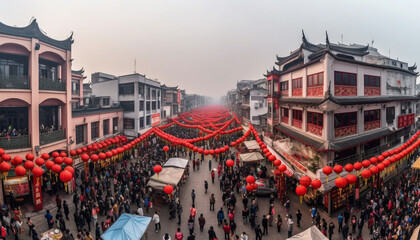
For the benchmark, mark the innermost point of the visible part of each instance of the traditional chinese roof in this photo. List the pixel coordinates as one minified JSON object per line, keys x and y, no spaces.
{"x":33,"y":31}
{"x":169,"y":88}
{"x":84,"y":110}
{"x":78,"y":72}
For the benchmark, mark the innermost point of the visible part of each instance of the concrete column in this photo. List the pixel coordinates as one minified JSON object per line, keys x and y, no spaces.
{"x":33,"y":110}
{"x":383,"y":115}
{"x":305,"y":83}
{"x":88,"y":131}
{"x":66,"y":108}
{"x":360,"y":120}
{"x":329,"y":125}
{"x":305,"y":119}
{"x":327,"y":80}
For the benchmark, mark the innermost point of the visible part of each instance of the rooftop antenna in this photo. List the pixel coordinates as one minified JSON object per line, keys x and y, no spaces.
{"x":342,"y":41}
{"x":135,"y":66}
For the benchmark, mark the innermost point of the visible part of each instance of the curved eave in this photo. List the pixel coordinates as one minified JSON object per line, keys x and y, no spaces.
{"x":296,"y":54}
{"x":33,"y":31}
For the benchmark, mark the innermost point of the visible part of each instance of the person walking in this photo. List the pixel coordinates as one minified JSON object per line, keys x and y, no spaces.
{"x":298,"y":217}
{"x":220,"y":217}
{"x":279,"y":222}
{"x":245,"y":214}
{"x":213,"y":175}
{"x":313,"y":213}
{"x":58,"y":202}
{"x":156,"y":219}
{"x":212,"y":202}
{"x":265,"y":225}
{"x":345,"y":230}
{"x":212,"y":233}
{"x":289,"y":226}
{"x":258,"y":233}
{"x":193,"y":212}
{"x":340,"y":222}
{"x":166,"y":237}
{"x":179,"y":212}
{"x":353,"y":224}
{"x":191,"y":225}
{"x":201,"y":222}
{"x":226,"y":230}
{"x":66,"y":209}
{"x":30,"y":225}
{"x":193,"y":197}
{"x":331,"y":230}
{"x":178,"y":234}
{"x":210,"y":165}
{"x":206,"y":185}
{"x":287,"y":207}
{"x":49,"y":218}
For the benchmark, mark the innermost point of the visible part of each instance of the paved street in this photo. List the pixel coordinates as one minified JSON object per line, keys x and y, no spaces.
{"x":196,"y":182}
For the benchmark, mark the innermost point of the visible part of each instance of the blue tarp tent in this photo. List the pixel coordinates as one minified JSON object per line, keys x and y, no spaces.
{"x":127,"y":227}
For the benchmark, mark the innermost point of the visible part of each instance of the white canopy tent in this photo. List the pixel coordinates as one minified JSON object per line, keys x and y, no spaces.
{"x":252,"y":145}
{"x":168,"y":175}
{"x":251,"y":157}
{"x":311,"y":233}
{"x":176,"y":162}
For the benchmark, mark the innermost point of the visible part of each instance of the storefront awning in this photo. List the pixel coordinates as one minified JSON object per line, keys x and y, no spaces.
{"x":168,"y":176}
{"x":416,"y":164}
{"x":251,"y":145}
{"x":251,"y":157}
{"x":176,"y":162}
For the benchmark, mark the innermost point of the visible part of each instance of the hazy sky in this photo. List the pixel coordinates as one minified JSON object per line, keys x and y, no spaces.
{"x":206,"y":46}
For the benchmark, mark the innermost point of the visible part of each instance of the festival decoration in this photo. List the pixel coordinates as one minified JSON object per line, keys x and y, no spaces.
{"x":300,"y":191}
{"x":327,"y":170}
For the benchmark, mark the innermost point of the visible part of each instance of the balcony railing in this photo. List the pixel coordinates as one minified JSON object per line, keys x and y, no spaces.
{"x":75,"y":92}
{"x":315,"y":129}
{"x":15,"y":142}
{"x":345,"y":90}
{"x":14,"y":82}
{"x":49,"y":84}
{"x":345,"y":131}
{"x":372,"y":125}
{"x":54,"y":136}
{"x":297,"y":123}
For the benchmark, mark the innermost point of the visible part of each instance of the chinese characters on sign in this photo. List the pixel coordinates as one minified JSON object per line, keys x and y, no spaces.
{"x":405,"y":120}
{"x":179,"y":97}
{"x":155,"y":119}
{"x":37,"y":193}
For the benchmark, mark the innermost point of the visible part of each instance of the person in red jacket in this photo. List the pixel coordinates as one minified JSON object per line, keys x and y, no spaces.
{"x":178,"y":234}
{"x":226,"y":229}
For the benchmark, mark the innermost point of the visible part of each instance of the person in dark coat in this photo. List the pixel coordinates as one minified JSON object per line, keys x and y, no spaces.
{"x":66,"y":209}
{"x":345,"y":230}
{"x":258,"y":233}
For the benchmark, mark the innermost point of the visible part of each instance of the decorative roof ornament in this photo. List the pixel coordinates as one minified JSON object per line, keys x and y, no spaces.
{"x":328,"y":94}
{"x":327,"y":41}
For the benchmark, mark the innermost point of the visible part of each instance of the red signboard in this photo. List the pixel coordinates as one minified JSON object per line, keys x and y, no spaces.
{"x":276,"y":103}
{"x":37,"y":193}
{"x":155,"y":119}
{"x":405,"y":120}
{"x":179,"y":97}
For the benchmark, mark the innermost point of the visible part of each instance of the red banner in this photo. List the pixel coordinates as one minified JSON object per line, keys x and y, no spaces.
{"x":37,"y":193}
{"x":155,"y":119}
{"x":179,"y":97}
{"x":276,"y":103}
{"x":405,"y":120}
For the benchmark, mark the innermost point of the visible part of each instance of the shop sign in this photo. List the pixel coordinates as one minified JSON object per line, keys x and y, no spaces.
{"x":155,"y":119}
{"x":37,"y":193}
{"x":405,"y":120}
{"x":269,"y":100}
{"x":179,"y":97}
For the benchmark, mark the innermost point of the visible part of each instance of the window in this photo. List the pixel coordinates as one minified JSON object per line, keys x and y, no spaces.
{"x":158,"y":105}
{"x":372,"y":81}
{"x":154,"y":105}
{"x":285,"y":112}
{"x":372,"y":115}
{"x":97,"y":102}
{"x":147,"y":92}
{"x":148,"y":120}
{"x":405,"y":108}
{"x":284,"y":86}
{"x":115,"y":125}
{"x":141,"y":122}
{"x":48,"y":70}
{"x":94,"y":130}
{"x":345,"y":119}
{"x":128,"y":106}
{"x":128,"y":123}
{"x":106,"y":101}
{"x":297,"y":83}
{"x":147,"y":106}
{"x":316,"y":79}
{"x":13,"y":65}
{"x":141,"y":105}
{"x":153,"y":94}
{"x":297,"y":114}
{"x":106,"y":127}
{"x":315,"y":118}
{"x":75,"y":87}
{"x":80,"y":133}
{"x":126,"y":89}
{"x":140,"y":89}
{"x":346,"y":79}
{"x":390,"y":115}
{"x":74,"y":105}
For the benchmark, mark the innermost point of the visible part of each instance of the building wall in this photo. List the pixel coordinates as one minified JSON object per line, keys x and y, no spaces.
{"x":107,"y":88}
{"x":261,"y":103}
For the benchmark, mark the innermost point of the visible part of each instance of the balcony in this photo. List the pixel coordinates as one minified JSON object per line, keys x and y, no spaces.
{"x":345,"y":131}
{"x":75,"y":92}
{"x":315,"y":129}
{"x":345,"y":90}
{"x":14,"y":82}
{"x":372,"y":125}
{"x":50,"y":84}
{"x":297,"y":123}
{"x":15,"y":142}
{"x":297,"y":92}
{"x":285,"y":120}
{"x":372,"y":91}
{"x":284,"y":93}
{"x":54,"y":136}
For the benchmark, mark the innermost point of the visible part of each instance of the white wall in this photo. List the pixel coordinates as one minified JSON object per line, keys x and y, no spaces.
{"x":107,"y":88}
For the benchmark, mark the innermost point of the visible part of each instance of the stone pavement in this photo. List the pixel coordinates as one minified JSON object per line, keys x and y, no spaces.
{"x":196,"y":182}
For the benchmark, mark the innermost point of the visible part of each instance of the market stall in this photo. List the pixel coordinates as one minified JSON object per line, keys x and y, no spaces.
{"x":311,"y":233}
{"x":252,"y":145}
{"x":18,"y":187}
{"x":253,"y":157}
{"x":127,"y":227}
{"x":168,"y":176}
{"x":176,"y":162}
{"x":52,"y":234}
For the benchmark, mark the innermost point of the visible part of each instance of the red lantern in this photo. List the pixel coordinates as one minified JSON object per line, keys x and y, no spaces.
{"x":341,"y":183}
{"x":1,"y":151}
{"x":85,"y":157}
{"x":55,"y":154}
{"x":157,"y":169}
{"x":29,"y":165}
{"x":59,"y":160}
{"x":366,"y":163}
{"x":373,"y":160}
{"x":17,"y":161}
{"x":316,"y":183}
{"x":168,"y":189}
{"x":68,"y":161}
{"x":380,"y":166}
{"x":357,"y":166}
{"x":348,"y":167}
{"x":277,"y":162}
{"x":233,"y":144}
{"x":63,"y":154}
{"x":217,"y":151}
{"x":102,"y":156}
{"x":211,"y":152}
{"x":300,"y":191}
{"x":39,"y":161}
{"x":271,"y":158}
{"x":250,"y":179}
{"x":385,"y":154}
{"x":5,"y":167}
{"x":5,"y":157}
{"x":200,"y":151}
{"x":230,"y":163}
{"x":392,"y":159}
{"x":351,"y":179}
{"x":277,"y":172}
{"x":305,"y":181}
{"x":374,"y":170}
{"x":66,"y":176}
{"x":386,"y":163}
{"x":338,"y":169}
{"x":94,"y":158}
{"x":70,"y":169}
{"x":195,"y":149}
{"x":49,"y":164}
{"x":206,"y":152}
{"x":165,"y":148}
{"x":20,"y":171}
{"x":366,"y":174}
{"x":37,"y":171}
{"x":265,"y":150}
{"x":327,"y":170}
{"x":80,"y":151}
{"x":380,"y":158}
{"x":282,"y":168}
{"x":56,"y":168}
{"x":109,"y":154}
{"x":249,"y":188}
{"x":268,"y":154}
{"x":29,"y":157}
